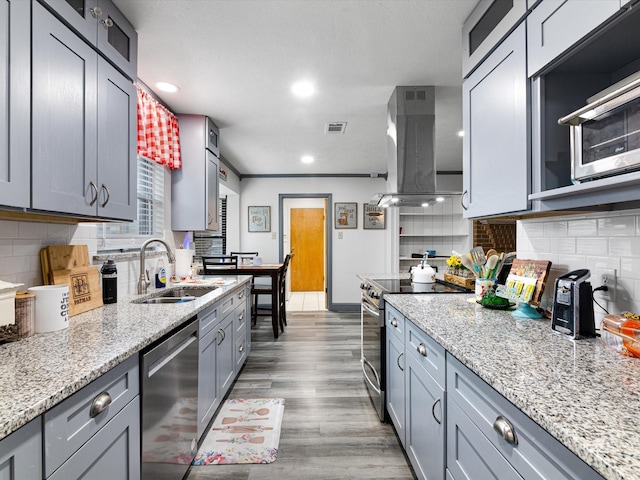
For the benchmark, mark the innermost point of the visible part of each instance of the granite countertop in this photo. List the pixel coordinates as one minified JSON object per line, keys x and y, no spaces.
{"x":584,"y":394}
{"x":38,"y":372}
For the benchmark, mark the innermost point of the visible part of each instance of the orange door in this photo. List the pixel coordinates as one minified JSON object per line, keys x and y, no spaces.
{"x":307,"y":246}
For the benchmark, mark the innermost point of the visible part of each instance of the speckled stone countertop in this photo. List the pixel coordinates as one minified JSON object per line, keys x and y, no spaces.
{"x":584,"y":394}
{"x":38,"y":372}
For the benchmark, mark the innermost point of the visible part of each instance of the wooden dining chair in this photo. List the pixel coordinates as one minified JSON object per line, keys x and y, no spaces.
{"x":212,"y":264}
{"x":260,"y":289}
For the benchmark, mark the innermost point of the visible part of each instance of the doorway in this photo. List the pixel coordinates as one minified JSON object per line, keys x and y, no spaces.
{"x":304,"y":232}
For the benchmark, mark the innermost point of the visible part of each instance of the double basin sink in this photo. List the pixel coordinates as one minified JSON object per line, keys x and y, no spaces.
{"x":178,"y":295}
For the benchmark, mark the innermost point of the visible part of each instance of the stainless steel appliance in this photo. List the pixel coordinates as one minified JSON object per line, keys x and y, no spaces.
{"x":605,"y":134}
{"x":572,"y":312}
{"x":372,"y":330}
{"x":169,"y":405}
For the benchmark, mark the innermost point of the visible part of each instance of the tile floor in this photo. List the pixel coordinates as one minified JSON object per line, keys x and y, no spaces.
{"x":306,"y":302}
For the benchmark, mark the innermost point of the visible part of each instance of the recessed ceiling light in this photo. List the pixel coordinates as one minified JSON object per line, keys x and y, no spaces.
{"x":426,"y":204}
{"x":167,"y":87}
{"x":440,"y":199}
{"x":461,"y":133}
{"x":307,"y":159}
{"x":303,"y":89}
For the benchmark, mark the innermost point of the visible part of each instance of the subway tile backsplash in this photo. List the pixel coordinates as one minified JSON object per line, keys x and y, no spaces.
{"x":600,"y":242}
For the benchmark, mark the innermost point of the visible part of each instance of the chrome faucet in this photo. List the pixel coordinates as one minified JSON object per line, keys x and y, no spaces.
{"x":143,"y":281}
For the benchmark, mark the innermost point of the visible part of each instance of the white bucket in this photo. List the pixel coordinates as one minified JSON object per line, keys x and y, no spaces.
{"x":52,"y":307}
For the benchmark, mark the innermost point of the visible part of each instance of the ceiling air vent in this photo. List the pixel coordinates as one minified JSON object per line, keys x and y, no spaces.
{"x":335,"y":128}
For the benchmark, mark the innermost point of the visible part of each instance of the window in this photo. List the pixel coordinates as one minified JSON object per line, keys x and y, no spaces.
{"x":150,"y":221}
{"x":213,"y":243}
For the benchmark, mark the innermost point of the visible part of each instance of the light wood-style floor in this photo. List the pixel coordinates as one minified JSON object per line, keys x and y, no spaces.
{"x":330,"y":430}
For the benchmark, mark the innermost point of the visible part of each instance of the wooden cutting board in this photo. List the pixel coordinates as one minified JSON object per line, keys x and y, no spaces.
{"x":63,"y":257}
{"x":84,"y":287}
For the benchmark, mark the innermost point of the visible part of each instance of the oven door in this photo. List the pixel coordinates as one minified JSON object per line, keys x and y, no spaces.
{"x":372,"y":345}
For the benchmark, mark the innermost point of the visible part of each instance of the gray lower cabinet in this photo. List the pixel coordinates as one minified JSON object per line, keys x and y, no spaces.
{"x":83,"y":114}
{"x":395,"y":391}
{"x":21,"y":453}
{"x":554,"y":26}
{"x":15,"y":151}
{"x":225,"y":363}
{"x":95,"y":433}
{"x":496,"y":146}
{"x":488,"y":437}
{"x":208,"y":395}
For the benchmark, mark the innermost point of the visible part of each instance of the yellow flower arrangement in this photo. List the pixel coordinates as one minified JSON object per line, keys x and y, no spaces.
{"x":454,"y":262}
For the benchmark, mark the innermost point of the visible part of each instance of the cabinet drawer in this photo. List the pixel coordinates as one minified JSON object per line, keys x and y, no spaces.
{"x":470,"y":455}
{"x":536,"y":454}
{"x":208,"y":319}
{"x":429,"y":354}
{"x":69,"y":425}
{"x":240,"y":320}
{"x":394,"y":321}
{"x":114,"y":452}
{"x":241,"y":351}
{"x":231,"y":301}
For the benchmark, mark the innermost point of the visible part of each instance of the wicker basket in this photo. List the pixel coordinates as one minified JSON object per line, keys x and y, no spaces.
{"x":25,"y":313}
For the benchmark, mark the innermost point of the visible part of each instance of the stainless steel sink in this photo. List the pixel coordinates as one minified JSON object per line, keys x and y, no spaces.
{"x":187,"y":292}
{"x":167,"y":300}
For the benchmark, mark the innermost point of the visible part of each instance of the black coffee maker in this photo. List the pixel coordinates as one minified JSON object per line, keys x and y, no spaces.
{"x":572,"y":312}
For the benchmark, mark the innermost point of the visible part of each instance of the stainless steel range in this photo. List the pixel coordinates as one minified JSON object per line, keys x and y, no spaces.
{"x":372,"y":330}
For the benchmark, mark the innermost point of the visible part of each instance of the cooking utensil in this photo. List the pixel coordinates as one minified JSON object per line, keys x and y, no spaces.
{"x":490,"y":252}
{"x":478,"y":257}
{"x":492,"y":262}
{"x":468,"y":263}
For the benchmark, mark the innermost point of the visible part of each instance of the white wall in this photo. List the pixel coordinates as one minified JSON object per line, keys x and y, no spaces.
{"x":358,"y":251}
{"x":599,"y":242}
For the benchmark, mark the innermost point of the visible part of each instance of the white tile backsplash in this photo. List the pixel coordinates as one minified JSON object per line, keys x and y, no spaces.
{"x":601,"y":242}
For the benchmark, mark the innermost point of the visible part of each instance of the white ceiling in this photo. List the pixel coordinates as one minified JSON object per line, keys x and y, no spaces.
{"x":235,"y":60}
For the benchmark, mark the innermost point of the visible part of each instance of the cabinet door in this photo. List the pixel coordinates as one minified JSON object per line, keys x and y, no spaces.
{"x":225,"y":361}
{"x":496,"y":153}
{"x":81,"y":15}
{"x":113,"y":452}
{"x":117,"y":39}
{"x":21,"y":453}
{"x":556,"y":25}
{"x":208,"y":399}
{"x":117,"y":117}
{"x":15,"y":146}
{"x":425,"y":422}
{"x":64,"y":117}
{"x":395,"y":383}
{"x":212,"y":192}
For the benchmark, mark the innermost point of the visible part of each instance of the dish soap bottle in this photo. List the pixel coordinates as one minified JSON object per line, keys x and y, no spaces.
{"x":161,"y":274}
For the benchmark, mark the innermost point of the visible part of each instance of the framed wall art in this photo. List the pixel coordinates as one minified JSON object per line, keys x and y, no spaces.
{"x":260,"y":219}
{"x":373,"y":217}
{"x":346,"y":215}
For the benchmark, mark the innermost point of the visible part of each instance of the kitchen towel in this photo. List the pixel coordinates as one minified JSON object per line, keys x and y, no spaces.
{"x":244,"y":431}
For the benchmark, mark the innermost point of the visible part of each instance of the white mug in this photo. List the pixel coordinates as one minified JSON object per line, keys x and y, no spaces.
{"x":51,"y":307}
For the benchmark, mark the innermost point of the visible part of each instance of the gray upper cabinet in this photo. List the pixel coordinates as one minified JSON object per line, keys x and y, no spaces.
{"x":496,"y":151}
{"x":21,"y":453}
{"x":554,"y":26}
{"x":194,"y":187}
{"x":83,"y":133}
{"x":101,"y":24}
{"x":487,"y":25}
{"x":15,"y":168}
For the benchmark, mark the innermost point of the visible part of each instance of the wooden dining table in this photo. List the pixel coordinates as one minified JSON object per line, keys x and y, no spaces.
{"x":271,"y":270}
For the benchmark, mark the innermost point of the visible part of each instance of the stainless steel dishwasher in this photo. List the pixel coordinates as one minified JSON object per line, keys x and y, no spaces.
{"x":169,"y":404}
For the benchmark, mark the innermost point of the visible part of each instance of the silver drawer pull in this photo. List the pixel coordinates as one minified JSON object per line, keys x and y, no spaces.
{"x":394,"y":323}
{"x":422,"y":350}
{"x":433,"y":411}
{"x":99,"y":404}
{"x":241,"y":348}
{"x":506,"y":430}
{"x":398,"y":362}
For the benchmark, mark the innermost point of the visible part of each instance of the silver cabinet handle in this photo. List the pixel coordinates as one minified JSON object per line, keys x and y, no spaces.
{"x":506,"y":430}
{"x":433,"y":410}
{"x":398,"y":362}
{"x":99,"y":404}
{"x":241,"y":348}
{"x":422,"y":350}
{"x":394,"y":323}
{"x":95,"y":12}
{"x":241,"y":316}
{"x":220,"y":331}
{"x":106,"y":189}
{"x":107,"y":23}
{"x":241,"y":295}
{"x":464,"y":194}
{"x":94,"y":187}
{"x":209,"y":219}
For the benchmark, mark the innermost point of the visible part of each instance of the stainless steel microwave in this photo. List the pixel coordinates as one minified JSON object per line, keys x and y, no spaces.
{"x":605,"y":134}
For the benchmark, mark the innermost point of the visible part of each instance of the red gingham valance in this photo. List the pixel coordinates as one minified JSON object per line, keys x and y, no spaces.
{"x":158,"y":132}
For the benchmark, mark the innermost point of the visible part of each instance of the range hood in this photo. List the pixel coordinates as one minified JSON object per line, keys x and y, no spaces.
{"x":411,"y":179}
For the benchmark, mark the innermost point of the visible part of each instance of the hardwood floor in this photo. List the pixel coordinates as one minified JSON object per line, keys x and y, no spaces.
{"x":330,"y":429}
